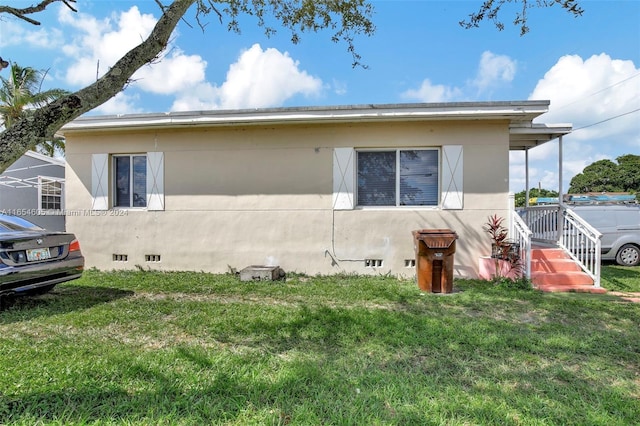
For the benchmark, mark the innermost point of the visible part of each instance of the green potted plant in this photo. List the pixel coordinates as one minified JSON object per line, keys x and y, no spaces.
{"x":503,"y":251}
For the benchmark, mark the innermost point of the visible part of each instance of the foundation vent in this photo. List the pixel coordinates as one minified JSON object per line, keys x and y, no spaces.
{"x":409,"y":263}
{"x":373,"y":263}
{"x":152,"y":258}
{"x":120,"y":257}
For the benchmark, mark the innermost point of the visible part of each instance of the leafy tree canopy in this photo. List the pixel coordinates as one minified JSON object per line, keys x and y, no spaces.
{"x":521,"y":197}
{"x":609,"y":176}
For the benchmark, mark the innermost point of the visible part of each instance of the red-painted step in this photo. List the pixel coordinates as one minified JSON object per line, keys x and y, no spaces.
{"x":552,"y":270}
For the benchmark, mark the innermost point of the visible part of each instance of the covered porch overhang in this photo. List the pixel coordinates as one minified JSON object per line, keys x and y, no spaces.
{"x":553,"y":226}
{"x":524,"y":136}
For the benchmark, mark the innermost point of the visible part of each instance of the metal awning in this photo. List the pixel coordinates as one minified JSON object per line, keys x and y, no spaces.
{"x":523,"y":136}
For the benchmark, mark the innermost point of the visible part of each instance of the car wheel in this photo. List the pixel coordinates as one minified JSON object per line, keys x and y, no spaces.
{"x":628,"y":255}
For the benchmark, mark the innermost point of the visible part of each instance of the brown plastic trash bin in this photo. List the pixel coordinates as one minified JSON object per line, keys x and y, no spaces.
{"x":434,"y":259}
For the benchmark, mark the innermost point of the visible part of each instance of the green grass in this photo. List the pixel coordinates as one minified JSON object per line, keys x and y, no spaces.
{"x":620,"y":278}
{"x":140,"y":348}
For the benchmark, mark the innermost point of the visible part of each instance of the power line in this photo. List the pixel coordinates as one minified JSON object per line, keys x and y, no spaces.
{"x":606,"y":119}
{"x":597,"y":92}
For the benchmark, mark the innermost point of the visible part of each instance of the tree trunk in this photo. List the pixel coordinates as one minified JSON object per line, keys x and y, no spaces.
{"x":46,"y":121}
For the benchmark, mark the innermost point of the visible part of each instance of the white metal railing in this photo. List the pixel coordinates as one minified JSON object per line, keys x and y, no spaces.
{"x":562,"y":227}
{"x":543,"y":223}
{"x":521,"y":235}
{"x":582,"y":242}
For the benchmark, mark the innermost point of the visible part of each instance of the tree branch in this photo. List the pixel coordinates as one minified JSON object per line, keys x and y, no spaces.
{"x":44,"y":122}
{"x":21,"y":13}
{"x":344,"y":18}
{"x":490,"y":9}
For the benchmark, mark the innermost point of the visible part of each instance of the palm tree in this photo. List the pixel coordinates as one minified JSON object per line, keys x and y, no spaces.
{"x":50,"y":148}
{"x":20,"y":93}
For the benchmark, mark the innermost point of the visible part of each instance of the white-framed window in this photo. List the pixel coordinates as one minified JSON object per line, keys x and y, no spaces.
{"x":50,"y":193}
{"x":398,"y":177}
{"x":129,"y":180}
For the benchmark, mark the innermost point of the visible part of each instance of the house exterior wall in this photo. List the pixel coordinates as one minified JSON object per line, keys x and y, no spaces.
{"x":20,"y":198}
{"x":264,"y":195}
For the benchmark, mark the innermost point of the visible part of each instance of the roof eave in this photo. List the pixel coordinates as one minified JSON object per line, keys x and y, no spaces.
{"x":513,"y":111}
{"x":523,"y":136}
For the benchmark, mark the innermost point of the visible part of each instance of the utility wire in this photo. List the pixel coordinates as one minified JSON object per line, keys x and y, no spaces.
{"x":597,"y":92}
{"x":606,"y":119}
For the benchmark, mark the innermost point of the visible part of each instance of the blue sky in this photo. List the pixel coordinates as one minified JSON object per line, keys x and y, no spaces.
{"x":588,"y":67}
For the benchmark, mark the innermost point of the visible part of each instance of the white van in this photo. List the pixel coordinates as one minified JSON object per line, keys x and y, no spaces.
{"x":620,"y":228}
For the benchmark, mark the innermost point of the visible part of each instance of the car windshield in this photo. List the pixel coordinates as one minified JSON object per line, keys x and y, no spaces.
{"x":13,"y":223}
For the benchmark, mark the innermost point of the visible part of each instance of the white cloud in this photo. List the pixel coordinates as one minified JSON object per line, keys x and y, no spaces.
{"x":339,"y":87}
{"x":172,"y":74}
{"x":202,"y":96}
{"x":428,"y":92}
{"x":14,"y":34}
{"x":260,"y":78}
{"x":494,"y":70}
{"x":585,"y":92}
{"x":121,"y":103}
{"x":98,"y":44}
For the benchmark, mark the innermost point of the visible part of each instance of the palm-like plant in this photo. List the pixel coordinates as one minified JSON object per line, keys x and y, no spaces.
{"x":20,"y":93}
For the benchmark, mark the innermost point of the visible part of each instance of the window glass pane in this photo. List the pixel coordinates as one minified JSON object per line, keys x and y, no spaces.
{"x":56,"y":188}
{"x":47,"y":202}
{"x":139,"y":181}
{"x":51,"y":194}
{"x":377,"y":178}
{"x":122,"y":183}
{"x":52,"y":203}
{"x":419,"y":178}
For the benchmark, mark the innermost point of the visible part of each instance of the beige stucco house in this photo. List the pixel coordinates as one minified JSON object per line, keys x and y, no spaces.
{"x":314,"y":190}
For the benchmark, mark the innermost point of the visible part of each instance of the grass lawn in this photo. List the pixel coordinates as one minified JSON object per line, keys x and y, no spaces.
{"x":145,"y":348}
{"x":620,"y":278}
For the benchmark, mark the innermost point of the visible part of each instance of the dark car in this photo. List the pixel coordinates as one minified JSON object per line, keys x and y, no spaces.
{"x":33,"y":260}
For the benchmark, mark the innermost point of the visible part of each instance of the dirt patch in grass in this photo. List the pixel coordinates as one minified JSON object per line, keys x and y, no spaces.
{"x":262,"y":300}
{"x":626,"y":296}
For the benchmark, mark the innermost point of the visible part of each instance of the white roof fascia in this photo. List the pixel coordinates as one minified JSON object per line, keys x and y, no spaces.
{"x":524,"y":136}
{"x":53,"y":160}
{"x":514,"y":111}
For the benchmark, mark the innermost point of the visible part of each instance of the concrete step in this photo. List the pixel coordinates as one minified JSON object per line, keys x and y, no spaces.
{"x":565,"y":282}
{"x":548,"y":254}
{"x":554,"y":265}
{"x":552,"y":270}
{"x":561,"y":278}
{"x":560,"y":288}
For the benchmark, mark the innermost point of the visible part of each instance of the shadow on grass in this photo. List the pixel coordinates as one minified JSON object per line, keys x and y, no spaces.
{"x":431,"y":384}
{"x":476,"y":357}
{"x":621,"y":278}
{"x":62,"y":299}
